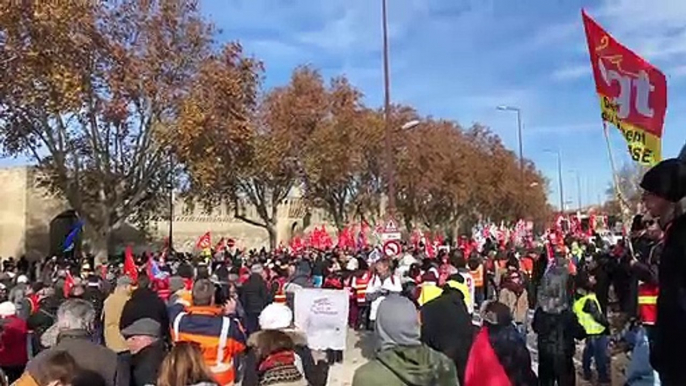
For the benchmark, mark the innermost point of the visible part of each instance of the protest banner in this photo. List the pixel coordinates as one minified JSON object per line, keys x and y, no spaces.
{"x":632,"y":93}
{"x":322,"y":314}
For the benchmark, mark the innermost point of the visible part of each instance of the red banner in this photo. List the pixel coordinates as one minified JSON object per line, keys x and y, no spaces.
{"x":632,"y":92}
{"x":205,"y":241}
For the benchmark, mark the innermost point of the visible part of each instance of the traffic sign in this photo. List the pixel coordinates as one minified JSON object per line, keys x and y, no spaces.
{"x":391,"y":248}
{"x":390,"y":231}
{"x":231,"y":243}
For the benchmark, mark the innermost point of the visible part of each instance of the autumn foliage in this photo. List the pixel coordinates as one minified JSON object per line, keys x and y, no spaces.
{"x":114,"y":100}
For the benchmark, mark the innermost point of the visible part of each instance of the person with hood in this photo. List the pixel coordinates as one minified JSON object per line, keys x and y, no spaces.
{"x":514,"y":295}
{"x":447,"y":326}
{"x":556,"y":327}
{"x":499,"y":356}
{"x":254,"y":297}
{"x":664,"y":188}
{"x":279,"y":317}
{"x":401,"y":358}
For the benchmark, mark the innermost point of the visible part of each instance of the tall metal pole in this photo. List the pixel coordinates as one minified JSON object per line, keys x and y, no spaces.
{"x":578,"y":187}
{"x":390,"y":166}
{"x":521,"y":151}
{"x":559,"y":176}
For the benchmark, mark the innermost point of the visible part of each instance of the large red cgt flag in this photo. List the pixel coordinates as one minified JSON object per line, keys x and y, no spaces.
{"x":632,"y":92}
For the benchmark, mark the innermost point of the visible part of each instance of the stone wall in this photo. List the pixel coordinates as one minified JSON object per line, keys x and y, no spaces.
{"x":27,"y":211}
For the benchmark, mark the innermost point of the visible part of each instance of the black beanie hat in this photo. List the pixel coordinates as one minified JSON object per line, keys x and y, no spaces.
{"x":666,"y":180}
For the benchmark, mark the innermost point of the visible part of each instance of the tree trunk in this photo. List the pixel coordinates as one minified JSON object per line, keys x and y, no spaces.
{"x":99,"y":242}
{"x":271,"y":230}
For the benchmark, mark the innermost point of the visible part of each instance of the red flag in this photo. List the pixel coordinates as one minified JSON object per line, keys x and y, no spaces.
{"x":68,"y":284}
{"x":632,"y":93}
{"x":129,"y":265}
{"x":221,"y":245}
{"x":205,"y":241}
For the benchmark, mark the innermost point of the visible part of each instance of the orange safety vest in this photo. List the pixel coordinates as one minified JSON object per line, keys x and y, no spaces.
{"x":280,"y":296}
{"x":527,"y":264}
{"x":360,"y":285}
{"x":478,"y":276}
{"x":647,"y":303}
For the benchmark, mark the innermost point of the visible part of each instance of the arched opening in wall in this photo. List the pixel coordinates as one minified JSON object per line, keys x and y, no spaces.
{"x":60,"y":226}
{"x":294,"y":226}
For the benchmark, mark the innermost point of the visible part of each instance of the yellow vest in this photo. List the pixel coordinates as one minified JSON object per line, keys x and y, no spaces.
{"x":585,"y":319}
{"x":431,"y":292}
{"x":466,"y":294}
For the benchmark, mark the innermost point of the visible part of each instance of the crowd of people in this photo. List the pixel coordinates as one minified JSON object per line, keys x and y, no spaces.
{"x":459,"y":317}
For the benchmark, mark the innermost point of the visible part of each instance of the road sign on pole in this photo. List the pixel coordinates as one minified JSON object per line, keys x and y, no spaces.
{"x":391,"y":231}
{"x":391,"y":248}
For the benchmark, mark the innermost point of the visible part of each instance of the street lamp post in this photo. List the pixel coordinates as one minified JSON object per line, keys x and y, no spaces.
{"x":578,"y":187}
{"x":559,"y":177}
{"x":390,"y":166}
{"x":519,"y":139}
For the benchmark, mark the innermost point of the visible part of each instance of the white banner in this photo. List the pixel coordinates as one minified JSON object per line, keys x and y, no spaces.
{"x":323,"y":315}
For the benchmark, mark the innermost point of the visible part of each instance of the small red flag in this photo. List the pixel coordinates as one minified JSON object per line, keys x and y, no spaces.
{"x":68,"y":284}
{"x":129,"y":265}
{"x":205,"y":241}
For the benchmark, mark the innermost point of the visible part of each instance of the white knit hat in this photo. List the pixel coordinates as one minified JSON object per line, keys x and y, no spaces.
{"x":7,"y":309}
{"x":276,"y":317}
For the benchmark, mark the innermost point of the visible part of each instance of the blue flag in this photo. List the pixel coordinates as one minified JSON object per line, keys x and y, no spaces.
{"x":69,"y":242}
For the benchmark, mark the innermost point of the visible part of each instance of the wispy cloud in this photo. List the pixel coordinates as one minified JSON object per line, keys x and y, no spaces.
{"x":572,"y":72}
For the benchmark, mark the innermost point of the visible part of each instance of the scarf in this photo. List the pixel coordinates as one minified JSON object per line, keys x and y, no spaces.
{"x":279,"y":368}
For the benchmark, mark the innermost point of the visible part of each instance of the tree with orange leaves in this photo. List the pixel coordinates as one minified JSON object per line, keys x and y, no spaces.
{"x":94,"y":92}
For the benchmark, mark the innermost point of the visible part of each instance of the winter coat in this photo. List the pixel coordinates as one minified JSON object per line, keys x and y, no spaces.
{"x":145,"y":364}
{"x":144,"y":303}
{"x":111,"y":314}
{"x":87,"y":355}
{"x":447,"y":327}
{"x":669,"y":333}
{"x":556,"y":333}
{"x":405,"y":366}
{"x":13,"y":351}
{"x":639,"y":372}
{"x":316,"y":374}
{"x":517,"y":303}
{"x":254,"y":294}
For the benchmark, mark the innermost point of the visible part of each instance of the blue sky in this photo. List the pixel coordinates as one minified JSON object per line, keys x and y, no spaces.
{"x":459,"y":59}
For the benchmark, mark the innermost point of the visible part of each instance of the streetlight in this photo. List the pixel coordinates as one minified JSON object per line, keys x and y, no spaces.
{"x":578,"y":185}
{"x":519,"y":139}
{"x":559,"y":177}
{"x":410,"y":125}
{"x":519,"y":133}
{"x":390,"y":167}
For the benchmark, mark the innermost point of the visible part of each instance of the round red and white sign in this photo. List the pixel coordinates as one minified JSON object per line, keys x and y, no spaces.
{"x":391,"y":248}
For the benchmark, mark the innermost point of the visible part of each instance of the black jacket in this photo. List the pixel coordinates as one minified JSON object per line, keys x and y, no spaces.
{"x":556,"y":333}
{"x":145,"y":303}
{"x":254,"y":294}
{"x":448,"y":328}
{"x":146,"y":363}
{"x":669,"y":333}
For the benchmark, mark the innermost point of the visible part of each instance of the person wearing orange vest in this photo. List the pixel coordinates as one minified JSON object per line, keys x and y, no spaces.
{"x":476,"y":268}
{"x":214,"y":328}
{"x":359,"y":310}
